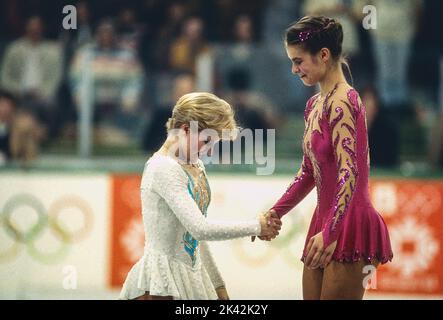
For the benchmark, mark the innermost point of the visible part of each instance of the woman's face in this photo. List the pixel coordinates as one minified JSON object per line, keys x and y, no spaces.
{"x":310,"y":68}
{"x":193,"y":146}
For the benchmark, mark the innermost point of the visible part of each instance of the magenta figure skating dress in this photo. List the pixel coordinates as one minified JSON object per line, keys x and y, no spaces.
{"x":336,"y":162}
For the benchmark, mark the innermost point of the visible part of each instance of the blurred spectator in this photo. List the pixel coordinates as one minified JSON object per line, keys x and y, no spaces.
{"x":117,"y":80}
{"x":129,"y":30}
{"x":424,"y":71}
{"x":392,"y":39}
{"x":253,"y":109}
{"x":243,"y":39}
{"x":11,"y":19}
{"x":243,"y":29}
{"x":287,"y":91}
{"x":76,"y":38}
{"x":227,"y":10}
{"x":346,"y":13}
{"x":186,"y":49}
{"x":383,"y":133}
{"x":238,"y":54}
{"x":183,"y":83}
{"x":31,"y":70}
{"x":176,"y":14}
{"x":20,"y":134}
{"x":349,"y":14}
{"x":160,"y":35}
{"x":279,"y":14}
{"x":155,"y":131}
{"x":72,"y":41}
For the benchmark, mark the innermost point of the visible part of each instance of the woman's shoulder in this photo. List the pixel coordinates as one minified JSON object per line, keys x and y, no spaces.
{"x":161,"y":165}
{"x":344,"y":97}
{"x":310,"y":104}
{"x":346,"y":93}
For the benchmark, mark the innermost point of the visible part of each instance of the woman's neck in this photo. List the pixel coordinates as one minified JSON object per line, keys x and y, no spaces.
{"x":331,"y":78}
{"x":171,"y":148}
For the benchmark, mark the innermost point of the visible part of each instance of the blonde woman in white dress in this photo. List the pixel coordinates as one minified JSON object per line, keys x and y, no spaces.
{"x":177,"y":262}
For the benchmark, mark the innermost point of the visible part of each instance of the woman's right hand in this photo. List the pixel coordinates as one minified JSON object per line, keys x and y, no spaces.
{"x":270,"y":225}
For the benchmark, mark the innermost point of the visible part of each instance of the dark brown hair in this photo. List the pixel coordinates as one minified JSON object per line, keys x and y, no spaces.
{"x":322,"y":32}
{"x":315,"y":32}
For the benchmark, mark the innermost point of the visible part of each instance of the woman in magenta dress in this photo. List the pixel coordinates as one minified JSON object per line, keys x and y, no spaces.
{"x":346,"y":232}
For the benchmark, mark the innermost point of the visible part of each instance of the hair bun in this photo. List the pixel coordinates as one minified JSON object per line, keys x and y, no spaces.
{"x":316,"y":32}
{"x":329,"y":23}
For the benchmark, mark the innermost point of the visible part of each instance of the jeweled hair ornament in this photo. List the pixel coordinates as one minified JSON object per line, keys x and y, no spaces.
{"x":305,"y":35}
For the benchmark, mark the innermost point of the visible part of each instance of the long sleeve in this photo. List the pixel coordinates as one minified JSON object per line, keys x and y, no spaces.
{"x":297,"y":190}
{"x":342,"y":122}
{"x":209,"y":263}
{"x":171,"y":183}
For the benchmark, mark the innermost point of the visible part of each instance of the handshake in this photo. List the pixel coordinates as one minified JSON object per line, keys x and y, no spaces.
{"x":270,"y":226}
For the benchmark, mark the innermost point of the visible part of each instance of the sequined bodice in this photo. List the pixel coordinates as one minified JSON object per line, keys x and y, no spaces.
{"x":335,"y":143}
{"x":199,"y":190}
{"x":198,"y":186}
{"x":335,"y":155}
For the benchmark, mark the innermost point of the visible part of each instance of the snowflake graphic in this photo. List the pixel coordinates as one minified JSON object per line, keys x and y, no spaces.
{"x":384,"y":197}
{"x":133,"y":239}
{"x":414,"y":246}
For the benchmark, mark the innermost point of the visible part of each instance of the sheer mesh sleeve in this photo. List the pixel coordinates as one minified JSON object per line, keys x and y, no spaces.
{"x":303,"y":182}
{"x":299,"y":188}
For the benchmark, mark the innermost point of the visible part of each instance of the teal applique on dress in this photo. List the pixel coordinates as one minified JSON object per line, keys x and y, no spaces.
{"x":202,"y":199}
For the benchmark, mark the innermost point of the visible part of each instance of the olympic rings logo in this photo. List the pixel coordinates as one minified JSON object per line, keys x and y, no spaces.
{"x":50,"y":220}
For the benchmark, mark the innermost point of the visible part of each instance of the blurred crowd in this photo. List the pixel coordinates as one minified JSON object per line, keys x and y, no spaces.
{"x":131,"y":60}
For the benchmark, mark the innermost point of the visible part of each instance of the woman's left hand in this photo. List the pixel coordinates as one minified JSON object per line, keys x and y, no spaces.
{"x":222,"y":293}
{"x":318,"y":256}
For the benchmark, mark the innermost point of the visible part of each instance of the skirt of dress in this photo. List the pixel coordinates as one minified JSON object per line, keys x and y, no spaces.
{"x":162,"y":275}
{"x":364,"y":235}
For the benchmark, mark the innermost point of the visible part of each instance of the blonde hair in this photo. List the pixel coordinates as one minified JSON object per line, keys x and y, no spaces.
{"x":207,"y":109}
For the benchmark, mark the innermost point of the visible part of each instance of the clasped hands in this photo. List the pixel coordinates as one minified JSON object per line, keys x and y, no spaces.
{"x":270,"y":226}
{"x":317,"y":254}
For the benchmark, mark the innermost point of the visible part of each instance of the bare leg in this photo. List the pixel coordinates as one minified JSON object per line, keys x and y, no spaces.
{"x":147,"y":296}
{"x":312,"y":282}
{"x":344,"y":281}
